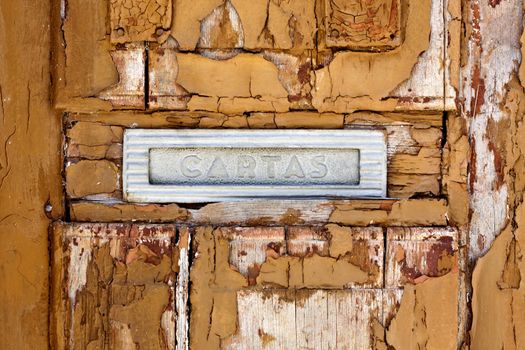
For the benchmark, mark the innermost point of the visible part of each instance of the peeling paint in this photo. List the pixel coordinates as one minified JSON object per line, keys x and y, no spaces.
{"x":182,"y":291}
{"x":78,"y":264}
{"x":222,"y":28}
{"x":167,"y":321}
{"x":494,"y":56}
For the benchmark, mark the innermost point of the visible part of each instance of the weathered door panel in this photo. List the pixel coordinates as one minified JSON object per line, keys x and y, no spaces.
{"x":119,"y":286}
{"x":259,"y":56}
{"x":125,"y":286}
{"x":316,"y":287}
{"x":440,"y":254}
{"x":346,"y":273}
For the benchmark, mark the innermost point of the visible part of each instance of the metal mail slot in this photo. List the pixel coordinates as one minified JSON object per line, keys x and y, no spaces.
{"x":219,"y":165}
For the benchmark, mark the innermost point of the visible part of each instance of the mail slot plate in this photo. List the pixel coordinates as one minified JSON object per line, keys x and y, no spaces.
{"x":219,"y":165}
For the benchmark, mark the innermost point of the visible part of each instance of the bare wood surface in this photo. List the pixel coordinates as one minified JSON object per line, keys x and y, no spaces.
{"x":414,"y":254}
{"x":406,"y":212}
{"x":494,"y":107}
{"x":306,"y":319}
{"x":119,"y":286}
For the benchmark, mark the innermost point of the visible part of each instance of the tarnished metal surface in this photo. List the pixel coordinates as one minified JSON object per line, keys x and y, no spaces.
{"x":254,"y":166}
{"x":205,"y":165}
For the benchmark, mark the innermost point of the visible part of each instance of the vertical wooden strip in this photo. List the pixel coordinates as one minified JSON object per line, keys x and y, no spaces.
{"x":355,"y":309}
{"x":182,"y":289}
{"x":493,"y":51}
{"x":492,"y":97}
{"x":30,"y":183}
{"x":58,"y":311}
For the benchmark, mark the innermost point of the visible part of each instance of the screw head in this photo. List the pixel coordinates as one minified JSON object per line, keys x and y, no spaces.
{"x":120,"y":31}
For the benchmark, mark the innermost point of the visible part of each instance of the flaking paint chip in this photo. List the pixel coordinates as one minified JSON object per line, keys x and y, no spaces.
{"x":140,"y":20}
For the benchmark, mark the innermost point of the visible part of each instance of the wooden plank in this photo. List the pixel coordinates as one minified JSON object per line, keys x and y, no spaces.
{"x":455,"y":169}
{"x":124,"y":286}
{"x":94,"y":141}
{"x":257,"y":120}
{"x":406,"y":212}
{"x":292,"y":79}
{"x":355,"y":310}
{"x":485,"y":77}
{"x":314,"y":323}
{"x":424,"y":31}
{"x":304,"y":241}
{"x":415,"y":254}
{"x":248,"y":247}
{"x":319,"y":319}
{"x":30,"y":189}
{"x":122,"y":212}
{"x":362,"y":247}
{"x":429,"y":86}
{"x":182,"y":291}
{"x":93,"y":179}
{"x":279,"y":313}
{"x":331,"y":257}
{"x":276,"y":330}
{"x":422,"y":212}
{"x":413,"y":148}
{"x":84,"y":65}
{"x":427,"y":317}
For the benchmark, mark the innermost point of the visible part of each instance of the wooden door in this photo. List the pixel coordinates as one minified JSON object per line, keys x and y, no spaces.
{"x":439,"y":78}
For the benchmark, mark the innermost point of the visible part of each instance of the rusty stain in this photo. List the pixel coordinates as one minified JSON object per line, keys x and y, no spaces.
{"x":475,"y":24}
{"x":304,"y":73}
{"x":291,"y":217}
{"x":494,"y":3}
{"x":265,"y":337}
{"x":478,"y":86}
{"x":472,"y":164}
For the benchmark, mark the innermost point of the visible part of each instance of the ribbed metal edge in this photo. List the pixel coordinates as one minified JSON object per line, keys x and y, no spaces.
{"x":138,"y":142}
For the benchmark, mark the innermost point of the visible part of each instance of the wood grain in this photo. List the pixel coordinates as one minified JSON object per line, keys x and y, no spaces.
{"x":415,"y":254}
{"x":119,"y":286}
{"x":405,"y":212}
{"x":30,"y":184}
{"x":306,"y":319}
